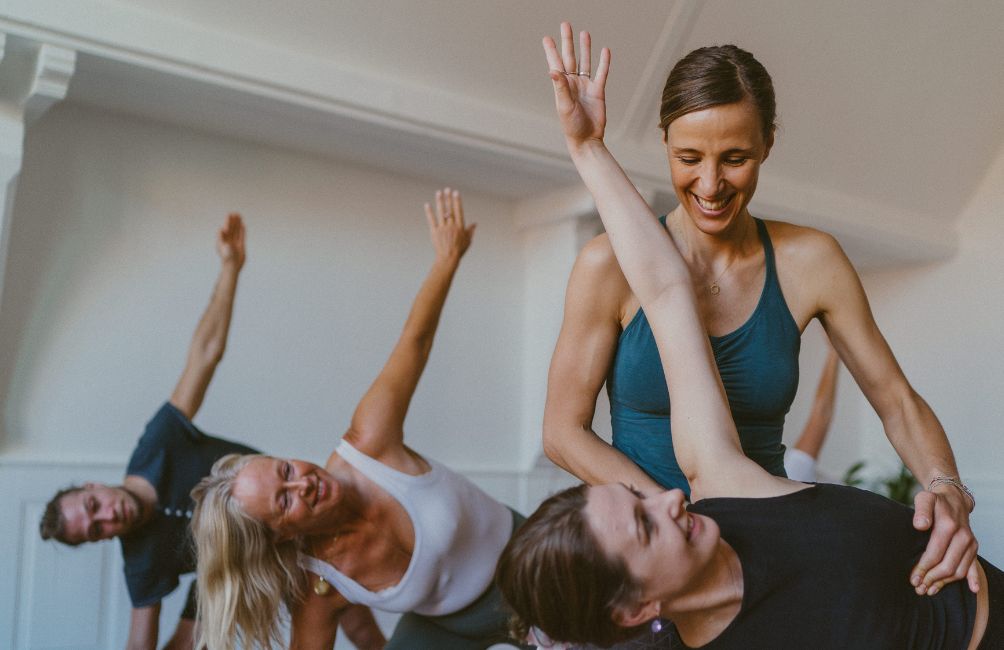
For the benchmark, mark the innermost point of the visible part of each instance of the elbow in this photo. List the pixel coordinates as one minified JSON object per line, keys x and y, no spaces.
{"x":211,"y":353}
{"x":553,"y":442}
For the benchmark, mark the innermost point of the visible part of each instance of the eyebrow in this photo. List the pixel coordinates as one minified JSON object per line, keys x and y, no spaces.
{"x":641,"y":530}
{"x":276,"y":498}
{"x":732,"y":151}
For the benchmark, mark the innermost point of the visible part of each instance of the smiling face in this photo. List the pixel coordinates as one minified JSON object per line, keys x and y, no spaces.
{"x":99,"y":511}
{"x":714,"y":160}
{"x":291,"y":497}
{"x":665,"y":548}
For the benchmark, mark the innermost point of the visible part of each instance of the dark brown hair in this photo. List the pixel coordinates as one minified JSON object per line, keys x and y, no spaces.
{"x":554,"y":576}
{"x":716,"y":75}
{"x":53,"y":523}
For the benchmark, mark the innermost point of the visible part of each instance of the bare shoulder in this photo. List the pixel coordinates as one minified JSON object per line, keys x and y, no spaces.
{"x":802,"y":244}
{"x":597,"y":256}
{"x":597,"y":276}
{"x":396,"y":456}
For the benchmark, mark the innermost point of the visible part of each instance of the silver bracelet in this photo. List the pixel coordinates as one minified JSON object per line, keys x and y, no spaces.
{"x":948,"y":480}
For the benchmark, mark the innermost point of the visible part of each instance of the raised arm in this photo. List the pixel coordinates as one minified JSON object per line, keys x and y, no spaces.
{"x":378,"y":422}
{"x":704,"y":435}
{"x":210,"y":338}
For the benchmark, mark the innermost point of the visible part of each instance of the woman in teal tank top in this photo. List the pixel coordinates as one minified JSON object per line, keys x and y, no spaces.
{"x":758,"y":285}
{"x":758,"y":362}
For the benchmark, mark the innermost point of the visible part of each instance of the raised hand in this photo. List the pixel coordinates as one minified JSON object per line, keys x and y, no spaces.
{"x":580,"y":99}
{"x":450,"y":236}
{"x":230,"y":241}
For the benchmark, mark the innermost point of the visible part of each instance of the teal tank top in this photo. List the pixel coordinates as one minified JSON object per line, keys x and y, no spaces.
{"x":758,"y":363}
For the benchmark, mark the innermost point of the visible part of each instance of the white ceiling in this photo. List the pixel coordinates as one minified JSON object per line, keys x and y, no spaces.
{"x":891,"y":112}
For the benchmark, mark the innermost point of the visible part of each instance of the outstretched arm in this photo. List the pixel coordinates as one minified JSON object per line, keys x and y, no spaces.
{"x":704,"y":435}
{"x":210,"y":338}
{"x":818,"y":425}
{"x":909,"y":423}
{"x":378,"y":422}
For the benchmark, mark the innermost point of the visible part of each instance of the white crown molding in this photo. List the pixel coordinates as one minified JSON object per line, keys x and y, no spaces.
{"x":53,"y":71}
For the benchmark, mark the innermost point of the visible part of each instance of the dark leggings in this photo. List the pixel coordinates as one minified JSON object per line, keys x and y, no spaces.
{"x":480,"y":625}
{"x":993,"y":637}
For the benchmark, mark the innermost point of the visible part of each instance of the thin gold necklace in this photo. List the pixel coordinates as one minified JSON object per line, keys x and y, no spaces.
{"x":715,"y":288}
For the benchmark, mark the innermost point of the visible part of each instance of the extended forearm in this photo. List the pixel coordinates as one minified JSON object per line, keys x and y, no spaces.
{"x":423,"y":319}
{"x":210,"y":338}
{"x":581,"y":452}
{"x":919,"y":439}
{"x":648,"y":258}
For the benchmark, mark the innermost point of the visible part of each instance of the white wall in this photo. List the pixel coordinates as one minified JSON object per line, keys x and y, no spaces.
{"x":112,"y":262}
{"x":943,"y":321}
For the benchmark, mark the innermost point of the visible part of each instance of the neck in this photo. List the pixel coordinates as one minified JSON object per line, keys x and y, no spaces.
{"x":144,"y":493}
{"x":703,"y":248}
{"x":702,"y":614}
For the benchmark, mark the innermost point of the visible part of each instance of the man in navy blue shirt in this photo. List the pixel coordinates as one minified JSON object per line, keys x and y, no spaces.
{"x":150,"y":511}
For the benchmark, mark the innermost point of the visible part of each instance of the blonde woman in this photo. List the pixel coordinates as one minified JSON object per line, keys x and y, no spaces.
{"x":379,"y":524}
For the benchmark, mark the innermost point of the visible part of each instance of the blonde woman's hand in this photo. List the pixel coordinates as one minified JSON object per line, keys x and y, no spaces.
{"x":579,"y":97}
{"x":450,"y":235}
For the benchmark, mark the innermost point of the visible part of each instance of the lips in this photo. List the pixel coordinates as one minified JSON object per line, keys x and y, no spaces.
{"x":713,"y":205}
{"x":320,"y":490}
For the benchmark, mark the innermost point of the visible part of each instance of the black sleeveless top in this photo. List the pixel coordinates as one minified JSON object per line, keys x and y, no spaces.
{"x":829,"y":567}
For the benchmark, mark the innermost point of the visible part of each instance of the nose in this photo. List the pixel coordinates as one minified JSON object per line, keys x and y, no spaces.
{"x":709,"y":179}
{"x":106,"y":512}
{"x":673,"y":501}
{"x":303,"y":484}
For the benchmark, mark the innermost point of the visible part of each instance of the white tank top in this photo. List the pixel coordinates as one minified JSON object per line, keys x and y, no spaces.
{"x":459,"y":534}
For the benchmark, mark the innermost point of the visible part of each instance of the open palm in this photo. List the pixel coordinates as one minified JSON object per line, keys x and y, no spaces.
{"x":580,"y":100}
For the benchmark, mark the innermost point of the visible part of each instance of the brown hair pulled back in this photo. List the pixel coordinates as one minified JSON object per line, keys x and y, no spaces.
{"x":716,"y":75}
{"x":554,"y":576}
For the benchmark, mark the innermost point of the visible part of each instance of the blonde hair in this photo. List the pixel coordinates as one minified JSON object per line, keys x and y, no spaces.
{"x":244,"y":575}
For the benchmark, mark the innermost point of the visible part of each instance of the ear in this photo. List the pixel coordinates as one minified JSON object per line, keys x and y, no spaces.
{"x":767,"y":145}
{"x":637,"y":614}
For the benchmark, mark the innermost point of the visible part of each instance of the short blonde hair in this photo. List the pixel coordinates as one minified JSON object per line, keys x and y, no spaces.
{"x":244,"y":575}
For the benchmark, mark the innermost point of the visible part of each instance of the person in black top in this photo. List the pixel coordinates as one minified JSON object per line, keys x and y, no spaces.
{"x":757,"y":561}
{"x":151,"y":510}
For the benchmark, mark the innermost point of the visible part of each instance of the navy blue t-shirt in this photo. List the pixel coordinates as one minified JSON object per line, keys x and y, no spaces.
{"x":173,"y":455}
